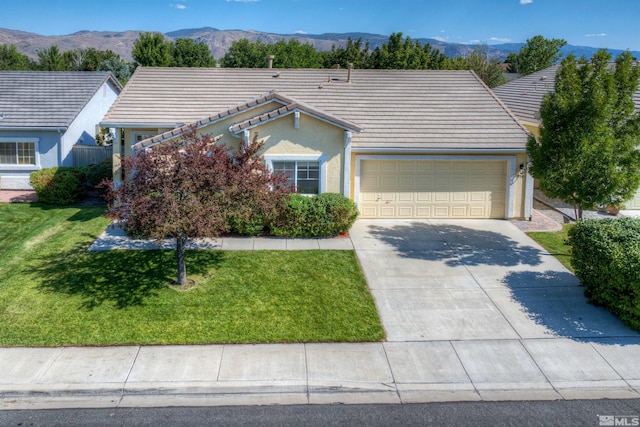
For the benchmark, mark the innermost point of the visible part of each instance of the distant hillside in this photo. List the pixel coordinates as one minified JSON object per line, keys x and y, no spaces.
{"x":219,"y":41}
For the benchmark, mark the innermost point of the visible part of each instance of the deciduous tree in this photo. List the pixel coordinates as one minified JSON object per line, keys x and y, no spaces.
{"x":152,"y":50}
{"x":537,"y":54}
{"x":193,"y":187}
{"x":487,"y":68}
{"x":11,"y":59}
{"x":189,"y":53}
{"x":587,"y":153}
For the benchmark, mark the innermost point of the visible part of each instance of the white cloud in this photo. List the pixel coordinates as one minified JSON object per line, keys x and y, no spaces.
{"x":242,"y":1}
{"x":500,"y":39}
{"x":471,"y":42}
{"x":300,"y":32}
{"x":526,"y":1}
{"x":440,"y":39}
{"x":596,"y":35}
{"x":181,"y":6}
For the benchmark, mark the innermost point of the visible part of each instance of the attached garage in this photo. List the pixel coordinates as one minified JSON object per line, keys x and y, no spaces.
{"x":634,"y":203}
{"x":439,"y":188}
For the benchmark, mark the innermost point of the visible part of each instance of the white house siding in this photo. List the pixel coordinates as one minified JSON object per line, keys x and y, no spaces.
{"x":83,"y":128}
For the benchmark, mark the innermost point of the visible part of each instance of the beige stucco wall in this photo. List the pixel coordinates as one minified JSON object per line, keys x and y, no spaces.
{"x":312,"y":137}
{"x":534,"y":128}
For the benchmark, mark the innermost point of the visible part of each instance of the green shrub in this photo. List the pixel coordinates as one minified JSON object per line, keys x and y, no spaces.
{"x":606,"y":259}
{"x":291,"y":220}
{"x":325,"y":215}
{"x":59,"y":186}
{"x":99,"y":172}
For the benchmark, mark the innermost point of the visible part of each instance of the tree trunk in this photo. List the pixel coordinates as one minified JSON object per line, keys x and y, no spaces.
{"x":181,"y":243}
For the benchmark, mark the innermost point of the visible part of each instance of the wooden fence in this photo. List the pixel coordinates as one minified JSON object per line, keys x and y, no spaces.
{"x":85,"y":155}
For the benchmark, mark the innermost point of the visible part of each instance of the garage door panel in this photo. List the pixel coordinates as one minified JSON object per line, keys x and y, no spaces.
{"x":424,"y":197}
{"x":441,"y":197}
{"x":405,"y":197}
{"x":478,"y":196}
{"x":459,"y":197}
{"x":423,"y":211}
{"x":387,"y":167}
{"x":406,"y":167}
{"x":440,"y":211}
{"x":369,"y":183}
{"x":388,"y":211}
{"x":459,"y":212}
{"x":369,"y":197}
{"x":477,"y":212}
{"x":405,"y":211}
{"x":432,"y":189}
{"x":424,"y":168}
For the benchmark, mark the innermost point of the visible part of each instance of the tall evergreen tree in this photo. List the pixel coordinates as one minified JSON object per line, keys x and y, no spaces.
{"x":587,"y":153}
{"x":51,"y":59}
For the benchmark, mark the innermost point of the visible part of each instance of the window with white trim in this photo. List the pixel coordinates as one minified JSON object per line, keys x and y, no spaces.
{"x":304,"y":175}
{"x":18,"y":153}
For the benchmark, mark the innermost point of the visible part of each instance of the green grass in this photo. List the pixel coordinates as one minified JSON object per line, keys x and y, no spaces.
{"x":556,"y":244}
{"x":55,"y":293}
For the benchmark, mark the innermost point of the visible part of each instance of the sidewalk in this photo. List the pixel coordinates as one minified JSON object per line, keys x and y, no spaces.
{"x":288,"y":374}
{"x":473,"y":310}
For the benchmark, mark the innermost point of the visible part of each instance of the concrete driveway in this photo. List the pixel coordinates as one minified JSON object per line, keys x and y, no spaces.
{"x":459,"y":280}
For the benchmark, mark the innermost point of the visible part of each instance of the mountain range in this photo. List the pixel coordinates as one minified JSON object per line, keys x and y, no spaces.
{"x":219,"y":41}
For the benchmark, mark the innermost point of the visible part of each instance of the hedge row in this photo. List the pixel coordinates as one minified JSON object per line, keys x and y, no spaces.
{"x":324,"y":215}
{"x":65,"y":185}
{"x":606,"y":259}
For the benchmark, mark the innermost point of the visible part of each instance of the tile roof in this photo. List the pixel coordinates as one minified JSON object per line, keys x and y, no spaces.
{"x":47,"y":98}
{"x":524,"y":95}
{"x":396,"y":108}
{"x":288,"y":106}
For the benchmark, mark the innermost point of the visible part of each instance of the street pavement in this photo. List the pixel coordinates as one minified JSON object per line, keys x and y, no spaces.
{"x":473,"y":310}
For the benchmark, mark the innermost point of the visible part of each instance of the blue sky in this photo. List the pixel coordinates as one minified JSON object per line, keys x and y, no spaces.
{"x":599,"y":23}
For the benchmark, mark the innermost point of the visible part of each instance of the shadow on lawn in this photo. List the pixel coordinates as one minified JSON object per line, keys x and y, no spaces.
{"x":123,"y":278}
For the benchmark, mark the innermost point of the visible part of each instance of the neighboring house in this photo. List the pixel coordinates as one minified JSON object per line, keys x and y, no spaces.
{"x":43,"y":114}
{"x":524,"y":98}
{"x":401,"y":144}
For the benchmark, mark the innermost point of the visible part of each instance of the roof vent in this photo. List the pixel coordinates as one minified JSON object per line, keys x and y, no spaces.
{"x":350,"y":69}
{"x":270,"y":59}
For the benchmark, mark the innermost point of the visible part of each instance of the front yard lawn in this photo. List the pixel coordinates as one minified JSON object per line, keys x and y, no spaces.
{"x":556,"y":244}
{"x":55,"y":293}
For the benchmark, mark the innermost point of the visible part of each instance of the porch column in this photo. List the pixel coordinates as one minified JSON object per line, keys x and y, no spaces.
{"x":116,"y":156}
{"x":346,"y":191}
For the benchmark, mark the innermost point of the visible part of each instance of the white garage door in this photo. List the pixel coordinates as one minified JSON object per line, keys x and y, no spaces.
{"x":432,"y":189}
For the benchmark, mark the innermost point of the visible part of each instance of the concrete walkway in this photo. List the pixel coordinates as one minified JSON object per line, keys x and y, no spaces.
{"x":473,"y":310}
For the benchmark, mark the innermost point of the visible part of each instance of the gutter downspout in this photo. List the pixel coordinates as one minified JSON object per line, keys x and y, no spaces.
{"x":528,"y":202}
{"x":60,"y":147}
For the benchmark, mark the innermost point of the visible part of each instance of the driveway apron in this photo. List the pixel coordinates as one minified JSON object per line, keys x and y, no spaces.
{"x":459,"y":280}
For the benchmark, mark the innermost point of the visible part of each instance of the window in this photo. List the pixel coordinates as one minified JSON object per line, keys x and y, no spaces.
{"x":305,"y":176}
{"x":18,"y":153}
